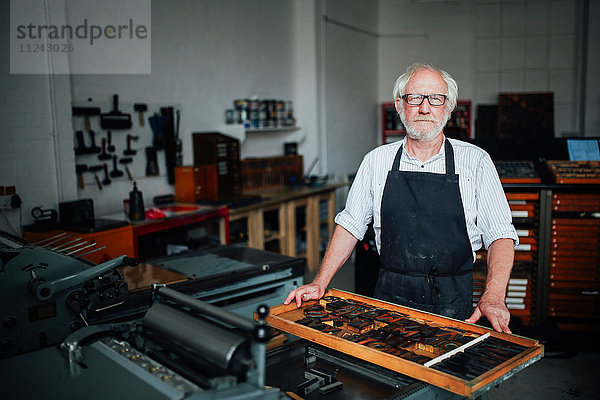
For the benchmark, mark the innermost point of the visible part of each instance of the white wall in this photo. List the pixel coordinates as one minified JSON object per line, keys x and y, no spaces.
{"x":431,"y":32}
{"x":592,"y":100}
{"x":488,"y":47}
{"x":306,"y":81}
{"x":205,"y":54}
{"x":350,"y":86}
{"x":35,"y":131}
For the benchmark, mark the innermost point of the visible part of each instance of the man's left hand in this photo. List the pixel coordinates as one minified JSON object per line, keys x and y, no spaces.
{"x":495,"y":311}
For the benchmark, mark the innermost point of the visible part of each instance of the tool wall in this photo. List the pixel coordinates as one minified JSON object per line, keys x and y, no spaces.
{"x":117,"y":142}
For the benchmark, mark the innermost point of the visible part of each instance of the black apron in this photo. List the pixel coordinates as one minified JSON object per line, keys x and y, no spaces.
{"x":426,"y":256}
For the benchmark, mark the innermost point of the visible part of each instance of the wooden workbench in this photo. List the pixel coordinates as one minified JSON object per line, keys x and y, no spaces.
{"x":284,"y":202}
{"x":125,"y":240}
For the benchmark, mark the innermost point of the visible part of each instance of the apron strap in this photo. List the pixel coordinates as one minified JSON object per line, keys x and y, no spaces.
{"x":449,"y":158}
{"x":396,"y":165}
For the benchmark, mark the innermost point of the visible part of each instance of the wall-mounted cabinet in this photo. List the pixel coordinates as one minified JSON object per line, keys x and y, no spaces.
{"x":392,"y":128}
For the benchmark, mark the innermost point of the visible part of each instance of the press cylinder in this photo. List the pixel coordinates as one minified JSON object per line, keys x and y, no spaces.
{"x":210,"y":342}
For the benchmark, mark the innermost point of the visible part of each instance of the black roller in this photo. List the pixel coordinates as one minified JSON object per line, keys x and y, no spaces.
{"x":220,"y":346}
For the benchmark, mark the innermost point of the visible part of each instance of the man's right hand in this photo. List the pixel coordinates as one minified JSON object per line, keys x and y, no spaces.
{"x":340,"y":247}
{"x":312,"y":291}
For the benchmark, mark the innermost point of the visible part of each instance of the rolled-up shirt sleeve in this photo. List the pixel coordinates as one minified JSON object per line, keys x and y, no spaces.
{"x":358,"y":213}
{"x":494,"y":217}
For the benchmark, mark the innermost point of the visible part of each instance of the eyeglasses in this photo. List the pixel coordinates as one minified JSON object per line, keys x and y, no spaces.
{"x":435,"y":100}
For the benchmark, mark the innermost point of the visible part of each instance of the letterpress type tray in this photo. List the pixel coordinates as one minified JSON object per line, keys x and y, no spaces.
{"x":462,"y":358}
{"x":575,"y":172}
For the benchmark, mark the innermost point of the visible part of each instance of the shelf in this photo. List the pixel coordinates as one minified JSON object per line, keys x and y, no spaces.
{"x":279,"y":129}
{"x":239,"y":132}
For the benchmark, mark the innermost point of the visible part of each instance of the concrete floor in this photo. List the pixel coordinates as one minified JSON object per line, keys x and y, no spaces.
{"x":557,"y":376}
{"x":569,"y":370}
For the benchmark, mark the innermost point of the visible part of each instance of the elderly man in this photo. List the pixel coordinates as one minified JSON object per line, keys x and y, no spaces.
{"x":433,"y":201}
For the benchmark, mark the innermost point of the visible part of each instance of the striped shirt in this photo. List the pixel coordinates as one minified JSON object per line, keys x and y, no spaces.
{"x":487,"y":214}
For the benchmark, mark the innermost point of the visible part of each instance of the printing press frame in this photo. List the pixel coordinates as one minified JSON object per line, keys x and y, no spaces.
{"x":358,"y":380}
{"x":233,"y":277}
{"x":46,"y":293}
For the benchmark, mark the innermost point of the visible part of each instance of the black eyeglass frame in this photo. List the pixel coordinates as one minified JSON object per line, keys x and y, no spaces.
{"x":424,"y":96}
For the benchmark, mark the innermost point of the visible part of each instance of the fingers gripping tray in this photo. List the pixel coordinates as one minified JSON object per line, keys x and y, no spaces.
{"x":462,"y":358}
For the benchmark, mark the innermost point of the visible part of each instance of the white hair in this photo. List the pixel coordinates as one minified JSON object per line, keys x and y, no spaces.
{"x":452,"y":91}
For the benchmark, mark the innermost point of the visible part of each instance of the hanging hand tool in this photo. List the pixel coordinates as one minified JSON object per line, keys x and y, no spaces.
{"x":80,"y":169}
{"x":110,"y":147}
{"x":157,"y":123}
{"x":93,"y":148}
{"x":115,"y":119}
{"x":129,"y":151}
{"x":115,"y":173}
{"x":151,"y":162}
{"x":94,"y":169}
{"x":125,"y":161}
{"x":106,"y":180}
{"x":140,"y":108}
{"x":86,"y":112}
{"x":169,"y":142}
{"x":80,"y":149}
{"x":104,"y":155}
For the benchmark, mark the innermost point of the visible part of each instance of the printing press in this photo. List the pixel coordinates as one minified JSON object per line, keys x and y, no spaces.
{"x":235,"y":278}
{"x":183,"y":348}
{"x":48,"y":292}
{"x":180,"y":347}
{"x":72,"y":329}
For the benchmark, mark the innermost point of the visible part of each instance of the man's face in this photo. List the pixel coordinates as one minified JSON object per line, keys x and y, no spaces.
{"x":423,"y":122}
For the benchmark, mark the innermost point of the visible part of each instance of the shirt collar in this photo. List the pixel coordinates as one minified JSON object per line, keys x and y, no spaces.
{"x":440,"y":153}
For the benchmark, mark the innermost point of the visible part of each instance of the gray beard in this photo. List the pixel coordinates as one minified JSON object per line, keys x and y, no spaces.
{"x":413,"y":133}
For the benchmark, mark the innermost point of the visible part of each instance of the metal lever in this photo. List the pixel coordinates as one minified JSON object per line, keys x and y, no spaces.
{"x":43,"y":290}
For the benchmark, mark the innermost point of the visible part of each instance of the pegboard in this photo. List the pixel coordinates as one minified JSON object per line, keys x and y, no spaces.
{"x":108,"y":197}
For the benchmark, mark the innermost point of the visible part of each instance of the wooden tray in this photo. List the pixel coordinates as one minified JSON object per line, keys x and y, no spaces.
{"x":284,"y":317}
